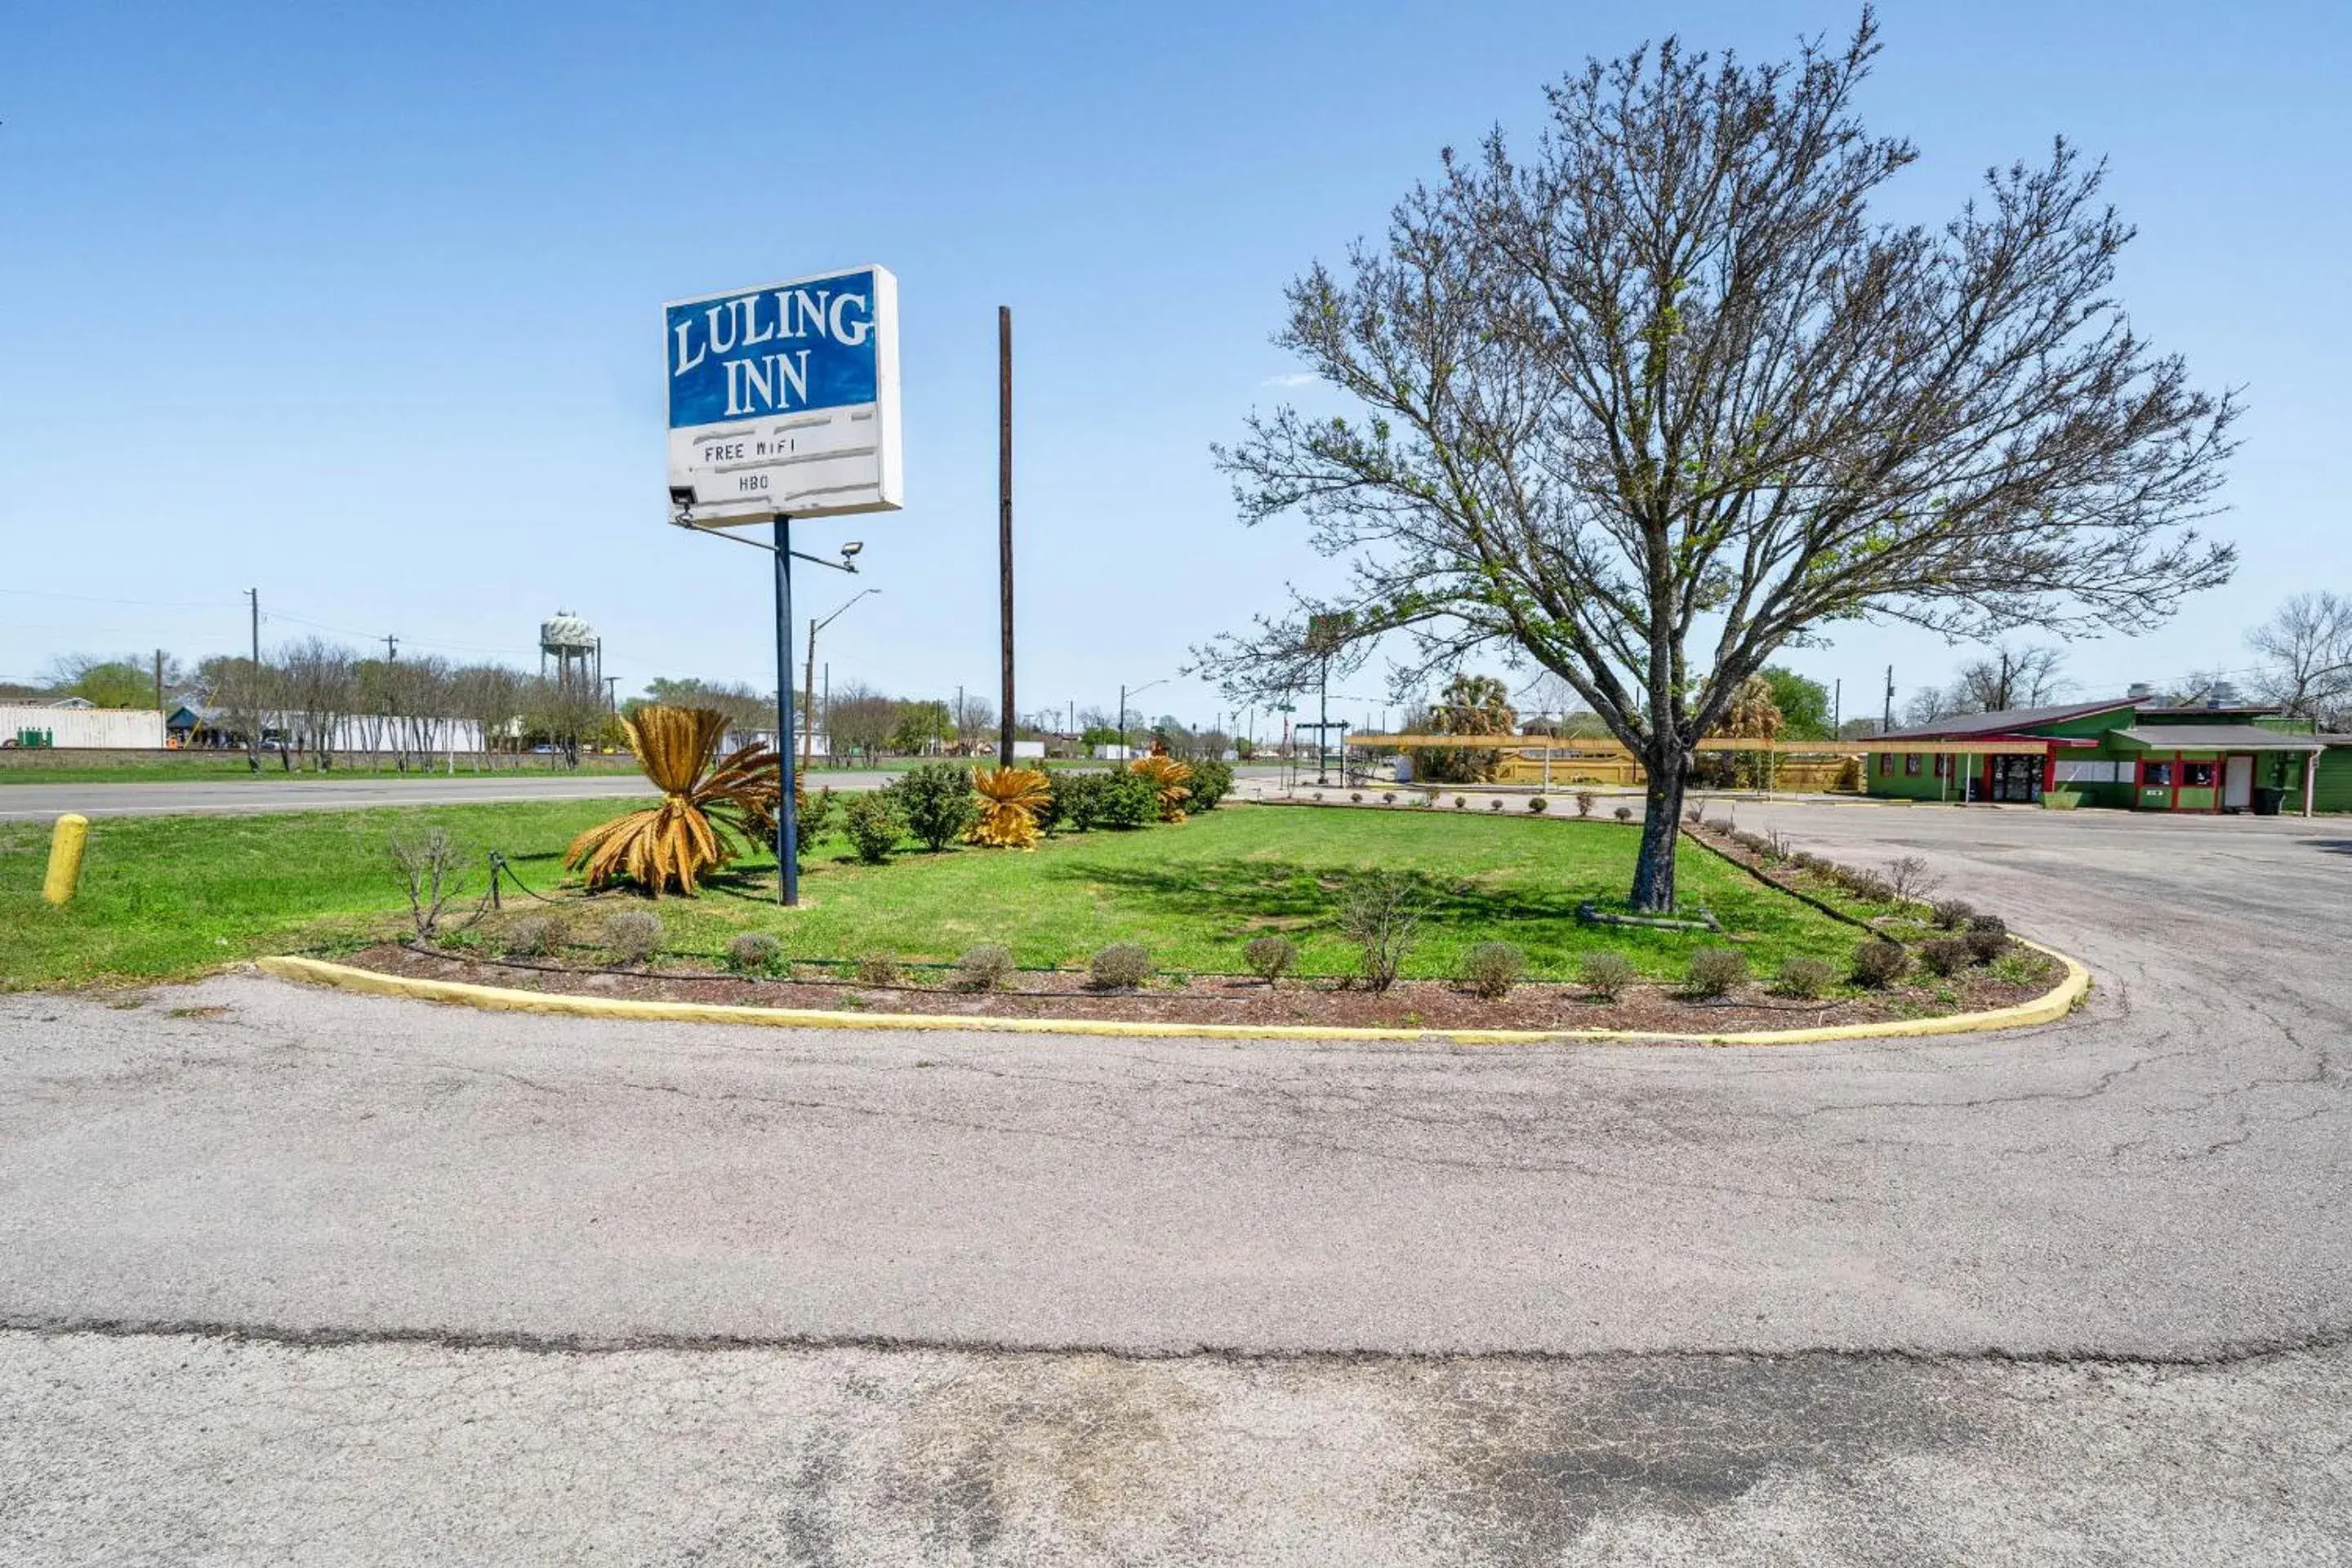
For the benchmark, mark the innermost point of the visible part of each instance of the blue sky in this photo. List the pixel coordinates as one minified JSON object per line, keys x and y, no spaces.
{"x":361,"y":305}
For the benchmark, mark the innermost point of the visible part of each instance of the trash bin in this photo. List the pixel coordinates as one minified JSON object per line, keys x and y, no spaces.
{"x":2268,"y":799}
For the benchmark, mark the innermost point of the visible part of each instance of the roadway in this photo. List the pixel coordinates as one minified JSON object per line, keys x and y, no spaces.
{"x":297,"y":1276}
{"x":269,"y":792}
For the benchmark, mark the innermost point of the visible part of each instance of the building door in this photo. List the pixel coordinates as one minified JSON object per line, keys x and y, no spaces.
{"x":2017,"y":778}
{"x":2238,"y":784}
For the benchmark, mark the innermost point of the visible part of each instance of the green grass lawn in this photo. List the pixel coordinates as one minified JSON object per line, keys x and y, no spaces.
{"x":166,"y":896}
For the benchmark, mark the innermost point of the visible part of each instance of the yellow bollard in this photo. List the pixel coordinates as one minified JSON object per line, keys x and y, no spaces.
{"x":65,"y":858}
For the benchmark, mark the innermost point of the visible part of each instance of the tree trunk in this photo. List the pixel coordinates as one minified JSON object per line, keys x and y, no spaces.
{"x":1662,"y":811}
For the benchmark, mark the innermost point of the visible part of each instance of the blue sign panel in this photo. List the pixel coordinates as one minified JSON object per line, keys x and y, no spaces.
{"x":772,"y":351}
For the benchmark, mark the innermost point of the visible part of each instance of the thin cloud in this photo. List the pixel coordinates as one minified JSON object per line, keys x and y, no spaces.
{"x":1296,"y":378}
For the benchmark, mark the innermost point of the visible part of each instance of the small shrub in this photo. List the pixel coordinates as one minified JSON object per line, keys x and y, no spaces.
{"x":984,"y":968}
{"x":1696,"y":812}
{"x":1356,"y":795}
{"x":937,"y":802}
{"x":1951,"y":914}
{"x":1271,"y":957}
{"x":1911,"y":879}
{"x":1624,"y":813}
{"x":1496,"y":805}
{"x":1585,"y":800}
{"x":1870,"y":888}
{"x":1211,"y":780}
{"x":1492,"y":968}
{"x":1715,"y":972}
{"x":534,"y":936}
{"x":1880,"y":963}
{"x":1073,"y":799}
{"x":1121,"y":966}
{"x":1380,"y":915}
{"x":755,"y":953}
{"x":1986,"y":939}
{"x":1129,"y":800}
{"x":1388,"y":797}
{"x":1776,"y":844}
{"x":427,"y":867}
{"x":878,"y":968}
{"x":1804,"y":978}
{"x":1944,"y":956}
{"x":1537,"y":804}
{"x":1461,"y":800}
{"x":1605,"y":975}
{"x":872,"y":821}
{"x":633,"y":937}
{"x":811,"y":816}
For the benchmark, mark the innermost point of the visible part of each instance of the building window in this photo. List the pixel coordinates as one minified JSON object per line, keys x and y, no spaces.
{"x":1943,"y":764}
{"x":1885,"y":765}
{"x":2091,"y":771}
{"x":2197,"y":775}
{"x":1910,"y":765}
{"x":2156,"y":775}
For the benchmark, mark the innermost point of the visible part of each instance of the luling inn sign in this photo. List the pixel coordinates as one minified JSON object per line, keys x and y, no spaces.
{"x":783,"y":400}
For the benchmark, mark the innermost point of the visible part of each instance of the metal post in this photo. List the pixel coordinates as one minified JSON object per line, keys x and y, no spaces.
{"x":1122,"y":721}
{"x":1323,"y":724}
{"x":1005,"y":519}
{"x":788,"y":868}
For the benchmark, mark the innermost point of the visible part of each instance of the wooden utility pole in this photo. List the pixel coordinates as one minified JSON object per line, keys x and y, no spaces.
{"x":1005,"y":519}
{"x":253,"y":682}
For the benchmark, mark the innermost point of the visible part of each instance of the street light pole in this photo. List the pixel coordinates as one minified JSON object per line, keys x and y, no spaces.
{"x":808,"y":677}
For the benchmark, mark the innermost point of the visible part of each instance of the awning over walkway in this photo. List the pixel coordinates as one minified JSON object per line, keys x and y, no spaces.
{"x":2215,"y":737}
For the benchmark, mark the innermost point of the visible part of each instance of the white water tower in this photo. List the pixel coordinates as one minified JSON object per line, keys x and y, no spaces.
{"x":574,"y":644}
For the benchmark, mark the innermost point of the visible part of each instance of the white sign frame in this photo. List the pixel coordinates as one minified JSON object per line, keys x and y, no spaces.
{"x":765,"y":457}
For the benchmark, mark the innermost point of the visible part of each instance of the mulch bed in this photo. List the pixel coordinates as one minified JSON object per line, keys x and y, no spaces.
{"x":1222,"y":999}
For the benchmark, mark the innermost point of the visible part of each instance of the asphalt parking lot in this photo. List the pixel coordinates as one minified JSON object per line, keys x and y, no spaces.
{"x":299,"y":1276}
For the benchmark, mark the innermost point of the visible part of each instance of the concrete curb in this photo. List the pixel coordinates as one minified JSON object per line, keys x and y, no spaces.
{"x":2047,"y":1008}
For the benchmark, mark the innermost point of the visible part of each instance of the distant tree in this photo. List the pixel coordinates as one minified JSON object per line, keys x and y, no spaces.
{"x":2307,"y":651}
{"x":859,"y":720}
{"x":491,"y":697}
{"x":1803,"y":704}
{"x":2012,"y":678}
{"x":1098,"y":735}
{"x":127,"y":683}
{"x":921,"y":725}
{"x":1929,"y":705}
{"x":1667,"y":377}
{"x":319,"y":681}
{"x":1470,"y":705}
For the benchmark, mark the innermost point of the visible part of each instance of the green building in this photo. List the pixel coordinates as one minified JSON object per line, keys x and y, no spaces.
{"x":2131,"y":752}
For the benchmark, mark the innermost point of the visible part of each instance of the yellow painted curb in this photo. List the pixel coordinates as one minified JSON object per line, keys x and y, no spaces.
{"x":2047,"y":1008}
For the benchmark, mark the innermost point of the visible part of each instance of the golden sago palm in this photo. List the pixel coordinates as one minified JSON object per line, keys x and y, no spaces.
{"x":676,"y":843}
{"x":1010,"y":800}
{"x":1171,"y":778}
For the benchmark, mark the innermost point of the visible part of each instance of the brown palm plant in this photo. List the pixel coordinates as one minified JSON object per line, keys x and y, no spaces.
{"x":1010,"y":800}
{"x":675,"y":844}
{"x":1169,"y":777}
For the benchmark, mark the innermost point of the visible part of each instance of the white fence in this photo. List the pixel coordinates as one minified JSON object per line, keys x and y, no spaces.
{"x":81,"y":729}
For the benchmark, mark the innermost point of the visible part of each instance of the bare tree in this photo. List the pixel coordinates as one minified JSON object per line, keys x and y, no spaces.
{"x":1930,"y":703}
{"x":2306,"y":650}
{"x":1669,"y":380}
{"x":319,"y":680}
{"x":860,"y":719}
{"x":2021,"y":677}
{"x":491,"y":697}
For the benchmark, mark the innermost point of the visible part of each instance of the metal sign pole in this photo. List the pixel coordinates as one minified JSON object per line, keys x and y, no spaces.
{"x":788,"y":868}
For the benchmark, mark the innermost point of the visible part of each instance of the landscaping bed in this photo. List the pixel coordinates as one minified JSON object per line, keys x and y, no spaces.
{"x":1229,"y":999}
